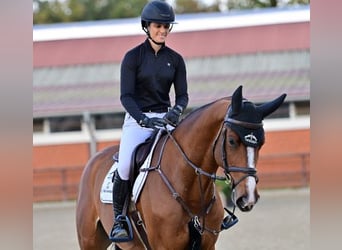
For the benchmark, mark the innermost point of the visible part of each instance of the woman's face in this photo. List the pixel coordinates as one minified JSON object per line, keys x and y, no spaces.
{"x":159,"y":31}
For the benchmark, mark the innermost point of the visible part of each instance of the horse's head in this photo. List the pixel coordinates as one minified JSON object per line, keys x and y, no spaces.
{"x":242,"y":136}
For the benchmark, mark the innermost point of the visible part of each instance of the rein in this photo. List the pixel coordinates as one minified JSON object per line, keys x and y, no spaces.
{"x":205,"y":208}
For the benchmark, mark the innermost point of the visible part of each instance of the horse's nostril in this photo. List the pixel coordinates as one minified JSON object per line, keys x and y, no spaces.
{"x":244,"y":205}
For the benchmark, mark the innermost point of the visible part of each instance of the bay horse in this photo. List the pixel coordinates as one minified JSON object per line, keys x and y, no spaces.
{"x":180,"y":186}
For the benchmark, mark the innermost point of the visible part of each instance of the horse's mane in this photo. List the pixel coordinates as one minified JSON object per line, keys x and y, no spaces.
{"x":201,"y":108}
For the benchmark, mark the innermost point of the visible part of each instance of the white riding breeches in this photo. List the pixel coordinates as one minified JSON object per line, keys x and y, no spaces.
{"x":132,"y":135}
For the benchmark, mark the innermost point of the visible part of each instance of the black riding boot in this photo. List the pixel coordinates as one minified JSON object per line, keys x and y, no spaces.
{"x":120,"y":191}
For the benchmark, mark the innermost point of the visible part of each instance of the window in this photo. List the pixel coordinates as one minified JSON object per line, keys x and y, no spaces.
{"x":302,"y":108}
{"x":38,"y":125}
{"x":63,"y":124}
{"x":281,"y":112}
{"x":109,"y":121}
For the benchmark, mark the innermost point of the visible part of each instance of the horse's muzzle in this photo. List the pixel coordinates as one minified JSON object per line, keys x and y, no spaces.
{"x":245,"y":204}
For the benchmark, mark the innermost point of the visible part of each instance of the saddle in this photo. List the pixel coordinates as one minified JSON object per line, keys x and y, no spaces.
{"x":139,"y":155}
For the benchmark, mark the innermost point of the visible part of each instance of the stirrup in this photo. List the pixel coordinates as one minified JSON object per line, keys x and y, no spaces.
{"x":126,"y":223}
{"x":229,"y":221}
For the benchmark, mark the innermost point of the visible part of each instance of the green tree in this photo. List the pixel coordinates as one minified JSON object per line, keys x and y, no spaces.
{"x":48,"y":12}
{"x":250,"y":4}
{"x":193,"y":6}
{"x":81,"y":10}
{"x":55,"y":11}
{"x":299,"y":2}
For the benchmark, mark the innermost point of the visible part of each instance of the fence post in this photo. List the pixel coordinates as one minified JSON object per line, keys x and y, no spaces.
{"x":64,"y":184}
{"x":304,"y":169}
{"x":90,"y":127}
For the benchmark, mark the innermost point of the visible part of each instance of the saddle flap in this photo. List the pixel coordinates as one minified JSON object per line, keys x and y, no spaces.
{"x":142,"y":151}
{"x":140,"y":154}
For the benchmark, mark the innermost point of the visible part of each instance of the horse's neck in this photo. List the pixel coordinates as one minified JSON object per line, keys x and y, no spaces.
{"x":198,"y":133}
{"x":196,"y":136}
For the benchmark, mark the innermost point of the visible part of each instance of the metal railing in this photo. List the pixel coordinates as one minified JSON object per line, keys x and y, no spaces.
{"x":56,"y":183}
{"x":274,"y":171}
{"x":284,"y":170}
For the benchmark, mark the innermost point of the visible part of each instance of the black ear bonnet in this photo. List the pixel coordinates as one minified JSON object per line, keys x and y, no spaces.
{"x":247,"y":124}
{"x":245,"y":118}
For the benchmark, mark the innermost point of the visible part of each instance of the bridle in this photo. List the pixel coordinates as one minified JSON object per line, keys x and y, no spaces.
{"x":248,"y":171}
{"x":231,"y":219}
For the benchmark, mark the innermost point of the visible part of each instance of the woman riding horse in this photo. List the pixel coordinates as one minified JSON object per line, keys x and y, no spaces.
{"x":179,"y":192}
{"x":147,"y":73}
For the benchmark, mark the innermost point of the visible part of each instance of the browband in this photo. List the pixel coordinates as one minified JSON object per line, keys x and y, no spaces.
{"x":245,"y":124}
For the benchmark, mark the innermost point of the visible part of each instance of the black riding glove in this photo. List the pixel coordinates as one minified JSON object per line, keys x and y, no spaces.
{"x":172,"y":117}
{"x":152,"y":122}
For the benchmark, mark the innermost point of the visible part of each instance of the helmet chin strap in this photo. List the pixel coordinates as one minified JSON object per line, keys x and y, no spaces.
{"x":149,"y":36}
{"x":158,"y":43}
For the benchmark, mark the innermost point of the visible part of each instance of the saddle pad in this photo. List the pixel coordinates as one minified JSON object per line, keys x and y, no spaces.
{"x":107,"y":185}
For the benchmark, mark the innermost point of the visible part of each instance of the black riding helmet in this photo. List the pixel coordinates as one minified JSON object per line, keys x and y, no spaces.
{"x":157,"y":12}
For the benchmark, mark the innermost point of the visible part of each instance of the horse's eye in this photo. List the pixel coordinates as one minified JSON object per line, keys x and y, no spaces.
{"x":232,"y":142}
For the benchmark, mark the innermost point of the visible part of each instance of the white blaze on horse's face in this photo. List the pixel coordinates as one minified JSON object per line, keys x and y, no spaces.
{"x":250,"y":182}
{"x":248,"y":195}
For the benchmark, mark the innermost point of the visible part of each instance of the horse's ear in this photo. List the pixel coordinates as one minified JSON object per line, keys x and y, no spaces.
{"x":270,"y":107}
{"x":237,"y":100}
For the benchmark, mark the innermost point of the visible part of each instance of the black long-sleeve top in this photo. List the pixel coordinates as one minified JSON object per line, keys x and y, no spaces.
{"x":147,"y":77}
